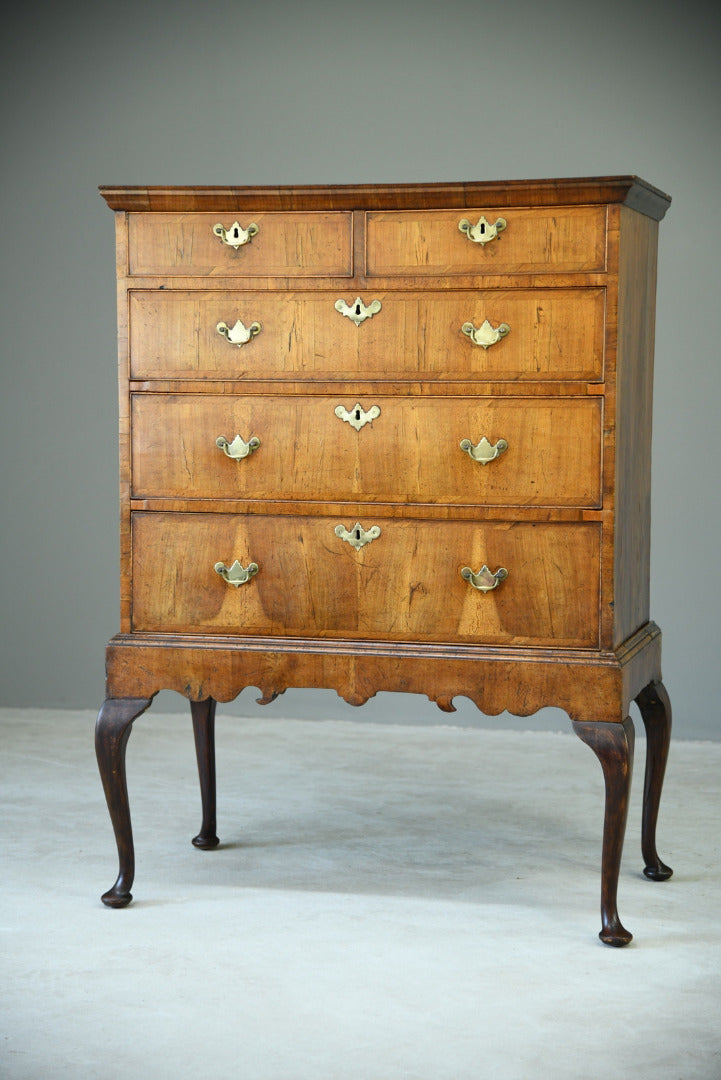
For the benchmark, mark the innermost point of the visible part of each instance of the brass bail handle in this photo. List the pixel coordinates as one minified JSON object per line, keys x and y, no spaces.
{"x":485,"y":580}
{"x":485,"y":335}
{"x":484,"y":452}
{"x":238,"y":448}
{"x":236,"y":575}
{"x":239,"y":334}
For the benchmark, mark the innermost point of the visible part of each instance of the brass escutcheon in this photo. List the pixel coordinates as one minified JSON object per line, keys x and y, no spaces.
{"x":236,"y":236}
{"x":357,"y":417}
{"x":357,"y":312}
{"x":357,"y":537}
{"x":482,"y":232}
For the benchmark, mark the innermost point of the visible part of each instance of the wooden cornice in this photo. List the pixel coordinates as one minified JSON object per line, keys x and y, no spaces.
{"x":629,"y":190}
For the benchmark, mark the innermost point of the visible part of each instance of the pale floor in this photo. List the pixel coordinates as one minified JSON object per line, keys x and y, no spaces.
{"x":388,"y":903}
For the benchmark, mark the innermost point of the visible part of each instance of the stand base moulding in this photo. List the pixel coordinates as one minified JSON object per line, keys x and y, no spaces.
{"x":390,"y":437}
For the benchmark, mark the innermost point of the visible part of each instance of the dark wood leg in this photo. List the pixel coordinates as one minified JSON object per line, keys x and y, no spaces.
{"x":656,"y":715}
{"x":112,"y":730}
{"x":613,"y":746}
{"x":203,"y":713}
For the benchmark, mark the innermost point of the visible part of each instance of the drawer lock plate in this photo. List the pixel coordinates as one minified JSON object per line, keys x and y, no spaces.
{"x":358,"y":537}
{"x":357,"y":417}
{"x":357,"y":312}
{"x":235,"y":235}
{"x":482,"y":232}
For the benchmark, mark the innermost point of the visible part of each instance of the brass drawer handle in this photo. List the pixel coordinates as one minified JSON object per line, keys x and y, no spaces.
{"x":238,"y":448}
{"x":239,"y":334}
{"x":358,"y":416}
{"x":485,"y":580}
{"x":357,"y":537}
{"x":357,"y":312}
{"x":236,"y":575}
{"x":484,"y":452}
{"x":482,"y":232}
{"x":485,"y":335}
{"x":236,"y":236}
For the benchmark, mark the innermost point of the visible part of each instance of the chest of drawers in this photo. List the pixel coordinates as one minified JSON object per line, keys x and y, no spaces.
{"x":389,"y":438}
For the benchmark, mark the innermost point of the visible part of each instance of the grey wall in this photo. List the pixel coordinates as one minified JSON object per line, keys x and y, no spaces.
{"x":279,"y":92}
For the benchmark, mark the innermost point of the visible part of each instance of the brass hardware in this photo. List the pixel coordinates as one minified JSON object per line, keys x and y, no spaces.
{"x":236,"y":236}
{"x":484,"y":452}
{"x":485,"y":580}
{"x":238,"y":448}
{"x":482,"y":232}
{"x":357,"y":537}
{"x":486,"y":335}
{"x":357,"y":417}
{"x":239,"y":334}
{"x":236,"y":575}
{"x":358,"y":312}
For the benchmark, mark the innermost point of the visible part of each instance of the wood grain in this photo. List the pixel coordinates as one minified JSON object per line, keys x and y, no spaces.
{"x":631,"y":190}
{"x":565,"y":509}
{"x":404,"y":585}
{"x":555,"y":334}
{"x":534,"y":241}
{"x":633,"y":422}
{"x":410,"y":453}
{"x":291,"y":244}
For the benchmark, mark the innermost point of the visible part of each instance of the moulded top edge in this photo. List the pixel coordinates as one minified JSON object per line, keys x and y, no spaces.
{"x":631,"y":190}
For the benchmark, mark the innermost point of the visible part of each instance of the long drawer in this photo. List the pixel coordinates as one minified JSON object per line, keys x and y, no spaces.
{"x":407,"y":450}
{"x":404,"y":584}
{"x":284,"y":245}
{"x":542,"y":334}
{"x":564,"y":239}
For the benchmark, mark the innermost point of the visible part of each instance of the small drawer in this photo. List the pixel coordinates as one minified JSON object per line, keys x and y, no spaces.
{"x":551,"y":334}
{"x":285,"y":245}
{"x":403,"y":449}
{"x":406,"y":584}
{"x":558,"y":240}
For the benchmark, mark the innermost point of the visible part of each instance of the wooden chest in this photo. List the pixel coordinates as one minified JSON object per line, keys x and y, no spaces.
{"x":389,"y":438}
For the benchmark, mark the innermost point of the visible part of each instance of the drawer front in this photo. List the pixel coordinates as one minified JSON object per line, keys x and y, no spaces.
{"x":553,"y":334}
{"x":292,"y":245}
{"x":405,"y":584}
{"x":558,"y":240}
{"x":409,"y":453}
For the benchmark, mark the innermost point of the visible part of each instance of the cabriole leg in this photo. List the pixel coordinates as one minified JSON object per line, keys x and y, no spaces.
{"x":613,"y":746}
{"x":112,"y":731}
{"x":203,"y":714}
{"x":656,"y":715}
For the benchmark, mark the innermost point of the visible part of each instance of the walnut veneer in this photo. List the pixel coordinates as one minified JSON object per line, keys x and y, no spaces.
{"x":333,"y":377}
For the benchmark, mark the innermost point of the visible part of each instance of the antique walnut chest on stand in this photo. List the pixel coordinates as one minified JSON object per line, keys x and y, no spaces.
{"x":390,"y":437}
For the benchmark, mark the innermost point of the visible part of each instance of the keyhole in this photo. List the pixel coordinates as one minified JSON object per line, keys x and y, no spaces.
{"x":357,"y":534}
{"x":483,"y":228}
{"x":235,"y":234}
{"x":357,"y":414}
{"x":357,"y":309}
